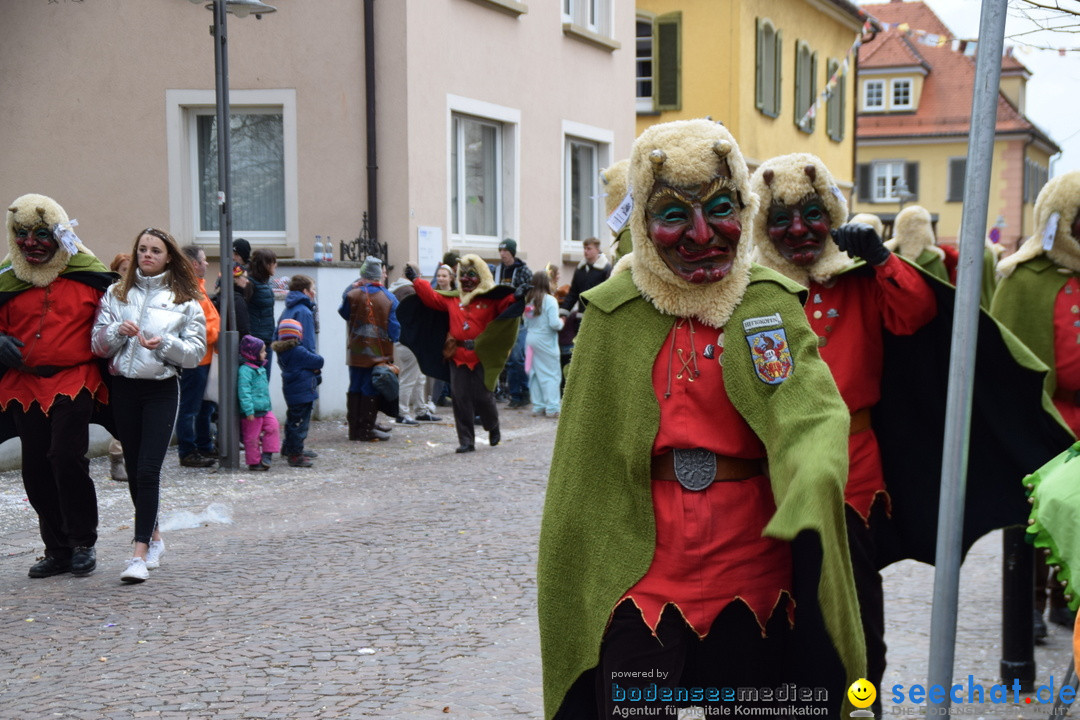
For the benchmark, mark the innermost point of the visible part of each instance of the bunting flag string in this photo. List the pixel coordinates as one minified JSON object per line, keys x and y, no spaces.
{"x":837,"y":77}
{"x":923,"y":37}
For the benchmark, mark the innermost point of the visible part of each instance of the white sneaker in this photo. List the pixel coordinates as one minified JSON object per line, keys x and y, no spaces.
{"x":136,"y":571}
{"x":153,"y":555}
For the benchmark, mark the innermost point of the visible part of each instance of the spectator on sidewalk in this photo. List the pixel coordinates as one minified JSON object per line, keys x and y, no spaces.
{"x":413,"y":406}
{"x":514,"y":272}
{"x":258,"y":424}
{"x":541,"y":319}
{"x":261,"y":301}
{"x":370,"y":312}
{"x":301,"y":374}
{"x":193,"y":416}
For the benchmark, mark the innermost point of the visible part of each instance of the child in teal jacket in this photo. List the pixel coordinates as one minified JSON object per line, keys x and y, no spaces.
{"x":258,"y":426}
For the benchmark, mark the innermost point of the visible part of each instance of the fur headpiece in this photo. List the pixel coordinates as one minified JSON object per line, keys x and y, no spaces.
{"x":913,"y":232}
{"x":872,"y":220}
{"x":687,"y":154}
{"x":1062,"y":196}
{"x":29,"y":212}
{"x":614,"y":180}
{"x":487,"y":282}
{"x":788,"y":180}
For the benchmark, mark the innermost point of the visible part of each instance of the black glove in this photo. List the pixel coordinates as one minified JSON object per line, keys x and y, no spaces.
{"x":410,"y":272}
{"x":9,"y":351}
{"x":520,"y":290}
{"x":861,"y":241}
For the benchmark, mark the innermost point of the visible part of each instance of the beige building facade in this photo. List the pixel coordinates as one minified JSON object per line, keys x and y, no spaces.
{"x":492,"y":119}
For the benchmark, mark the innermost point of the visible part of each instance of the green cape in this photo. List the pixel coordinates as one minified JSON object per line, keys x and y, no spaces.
{"x":598,"y":532}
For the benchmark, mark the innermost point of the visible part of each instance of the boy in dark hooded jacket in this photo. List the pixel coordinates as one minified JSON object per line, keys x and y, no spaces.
{"x":300,"y":378}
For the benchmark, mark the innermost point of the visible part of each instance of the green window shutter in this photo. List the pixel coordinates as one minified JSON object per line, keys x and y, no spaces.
{"x":834,"y":107}
{"x":778,"y":75}
{"x":666,"y":39}
{"x":864,"y":191}
{"x":911,"y":177}
{"x":759,"y":67}
{"x":805,"y":85}
{"x":957,"y":170}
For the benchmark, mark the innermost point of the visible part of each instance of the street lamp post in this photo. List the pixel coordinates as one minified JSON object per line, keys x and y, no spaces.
{"x":901,"y":192}
{"x":228,"y":339}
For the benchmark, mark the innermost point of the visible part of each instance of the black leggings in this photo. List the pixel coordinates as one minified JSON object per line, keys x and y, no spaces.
{"x":145,"y":411}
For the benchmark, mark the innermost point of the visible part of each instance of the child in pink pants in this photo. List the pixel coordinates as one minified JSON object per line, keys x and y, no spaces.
{"x":258,"y":426}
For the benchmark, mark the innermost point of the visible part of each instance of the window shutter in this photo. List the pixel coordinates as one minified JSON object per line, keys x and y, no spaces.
{"x":778,"y":75}
{"x":863,"y":190}
{"x":759,"y":68}
{"x":666,"y":40}
{"x":911,"y":177}
{"x":957,"y":170}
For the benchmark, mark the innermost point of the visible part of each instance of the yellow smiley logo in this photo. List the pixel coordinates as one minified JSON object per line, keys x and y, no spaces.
{"x":862,"y":693}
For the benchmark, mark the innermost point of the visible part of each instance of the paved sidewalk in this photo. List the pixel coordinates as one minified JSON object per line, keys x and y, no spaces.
{"x":392,"y":580}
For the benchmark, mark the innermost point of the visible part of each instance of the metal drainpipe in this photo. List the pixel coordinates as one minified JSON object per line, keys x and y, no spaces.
{"x":369,"y":93}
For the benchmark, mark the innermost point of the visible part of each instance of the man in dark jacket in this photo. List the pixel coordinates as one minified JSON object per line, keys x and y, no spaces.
{"x":514,"y":272}
{"x":590,"y":272}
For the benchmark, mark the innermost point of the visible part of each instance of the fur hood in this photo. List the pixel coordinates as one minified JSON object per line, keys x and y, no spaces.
{"x":602,"y":263}
{"x":614,"y":180}
{"x":1061,"y":196}
{"x":787,"y":180}
{"x":487,"y":281}
{"x":28,"y":212}
{"x":280,"y":346}
{"x":687,"y":153}
{"x":913,"y":232}
{"x":870,"y":219}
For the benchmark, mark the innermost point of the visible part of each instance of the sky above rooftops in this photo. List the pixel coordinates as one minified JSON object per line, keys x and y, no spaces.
{"x":1053,"y":92}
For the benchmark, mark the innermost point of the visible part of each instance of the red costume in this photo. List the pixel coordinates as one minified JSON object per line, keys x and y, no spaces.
{"x":710,"y":550}
{"x":466,"y":323}
{"x":849,"y":317}
{"x":1067,"y":352}
{"x":54,"y":323}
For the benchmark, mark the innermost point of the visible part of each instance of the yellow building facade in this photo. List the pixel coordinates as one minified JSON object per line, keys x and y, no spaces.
{"x":720,"y":65}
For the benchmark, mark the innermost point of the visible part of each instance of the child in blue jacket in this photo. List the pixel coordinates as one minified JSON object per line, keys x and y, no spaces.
{"x":258,"y":426}
{"x":300,"y":378}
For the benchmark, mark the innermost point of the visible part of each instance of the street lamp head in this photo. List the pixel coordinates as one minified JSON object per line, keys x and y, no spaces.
{"x":242,"y":8}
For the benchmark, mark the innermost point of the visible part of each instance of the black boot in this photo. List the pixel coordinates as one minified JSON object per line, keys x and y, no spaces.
{"x":352,"y":414}
{"x":369,"y":408}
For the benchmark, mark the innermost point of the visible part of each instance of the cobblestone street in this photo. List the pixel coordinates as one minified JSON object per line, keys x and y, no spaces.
{"x":392,"y":580}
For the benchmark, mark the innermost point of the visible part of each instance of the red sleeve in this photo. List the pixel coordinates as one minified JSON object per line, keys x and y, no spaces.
{"x":906,"y":301}
{"x":503,"y":304}
{"x":951,"y":260}
{"x":428,"y":296}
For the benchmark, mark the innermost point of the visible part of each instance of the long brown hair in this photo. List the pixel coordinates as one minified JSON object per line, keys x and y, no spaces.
{"x":182,"y":281}
{"x":259,"y":267}
{"x":541,"y":286}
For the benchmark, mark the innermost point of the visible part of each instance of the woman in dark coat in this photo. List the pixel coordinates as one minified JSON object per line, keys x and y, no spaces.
{"x":261,"y":301}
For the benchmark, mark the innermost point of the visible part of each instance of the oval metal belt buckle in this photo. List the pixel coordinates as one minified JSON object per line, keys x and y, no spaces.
{"x":695,"y":468}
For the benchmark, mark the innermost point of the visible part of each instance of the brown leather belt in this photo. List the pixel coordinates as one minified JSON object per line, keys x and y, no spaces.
{"x":1068,"y":396}
{"x":728,"y":469}
{"x":860,"y":420}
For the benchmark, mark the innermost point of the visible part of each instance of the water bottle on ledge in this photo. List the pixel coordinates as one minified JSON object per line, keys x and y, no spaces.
{"x":328,"y":250}
{"x":318,"y":248}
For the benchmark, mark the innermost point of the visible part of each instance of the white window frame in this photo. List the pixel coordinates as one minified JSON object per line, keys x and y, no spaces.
{"x":508,"y":177}
{"x":894,"y":85}
{"x":181,"y":151}
{"x":866,"y":106}
{"x":593,"y":15}
{"x":885,"y":168}
{"x":602,"y":139}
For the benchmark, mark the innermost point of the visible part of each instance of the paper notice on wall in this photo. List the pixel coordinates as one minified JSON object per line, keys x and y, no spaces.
{"x":429,"y":249}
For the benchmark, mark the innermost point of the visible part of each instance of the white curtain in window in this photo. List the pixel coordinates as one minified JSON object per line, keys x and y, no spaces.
{"x":258,"y":172}
{"x":583,"y":172}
